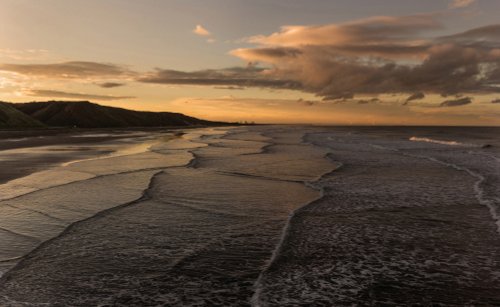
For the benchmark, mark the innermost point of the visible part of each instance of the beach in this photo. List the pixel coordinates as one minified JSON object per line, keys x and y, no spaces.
{"x":252,"y":215}
{"x":26,"y":151}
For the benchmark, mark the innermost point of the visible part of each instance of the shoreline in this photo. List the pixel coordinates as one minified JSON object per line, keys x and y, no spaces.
{"x":67,"y":146}
{"x":131,"y":184}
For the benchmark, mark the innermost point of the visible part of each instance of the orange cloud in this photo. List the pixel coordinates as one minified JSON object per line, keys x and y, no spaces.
{"x":61,"y":94}
{"x":461,"y":3}
{"x":200,"y":30}
{"x":381,"y":55}
{"x":375,"y":30}
{"x":69,"y":70}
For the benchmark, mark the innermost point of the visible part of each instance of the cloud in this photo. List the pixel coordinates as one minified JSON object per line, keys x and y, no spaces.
{"x":110,"y":84}
{"x":235,"y":76}
{"x":266,"y":54}
{"x":24,"y":54}
{"x":306,"y":103}
{"x":381,"y":55}
{"x":341,"y":96}
{"x":461,"y":3}
{"x":362,"y":101}
{"x":486,"y":37}
{"x":201,"y":31}
{"x":229,"y":87}
{"x":447,"y":69}
{"x":373,"y":30}
{"x":414,"y":96}
{"x":296,"y":111}
{"x":367,"y":101}
{"x":384,"y":36}
{"x":68,"y":70}
{"x":60,"y":94}
{"x":456,"y":102}
{"x":370,"y":56}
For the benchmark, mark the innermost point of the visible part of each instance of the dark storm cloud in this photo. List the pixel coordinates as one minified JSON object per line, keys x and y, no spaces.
{"x":456,"y":102}
{"x":414,"y":96}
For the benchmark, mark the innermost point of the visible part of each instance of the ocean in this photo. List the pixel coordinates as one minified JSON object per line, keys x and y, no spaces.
{"x":258,"y":215}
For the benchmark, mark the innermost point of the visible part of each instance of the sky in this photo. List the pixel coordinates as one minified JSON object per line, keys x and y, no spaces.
{"x":329,"y":62}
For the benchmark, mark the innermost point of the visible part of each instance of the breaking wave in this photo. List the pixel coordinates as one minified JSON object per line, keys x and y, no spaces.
{"x":442,"y":142}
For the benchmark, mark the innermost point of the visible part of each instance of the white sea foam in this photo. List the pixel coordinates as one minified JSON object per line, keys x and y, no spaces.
{"x":121,"y":151}
{"x":256,"y":300}
{"x":442,"y":142}
{"x":479,"y":192}
{"x":351,"y":247}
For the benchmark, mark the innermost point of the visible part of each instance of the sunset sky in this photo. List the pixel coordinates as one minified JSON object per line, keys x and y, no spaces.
{"x":338,"y":62}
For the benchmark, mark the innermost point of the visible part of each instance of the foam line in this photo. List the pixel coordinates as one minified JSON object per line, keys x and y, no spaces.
{"x":450,"y":143}
{"x":478,"y":191}
{"x":256,"y":298}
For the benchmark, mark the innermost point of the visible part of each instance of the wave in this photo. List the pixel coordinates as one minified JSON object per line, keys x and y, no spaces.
{"x":85,"y":172}
{"x":143,"y":197}
{"x":119,"y":152}
{"x":233,"y":226}
{"x":255,"y":300}
{"x":123,"y":158}
{"x":478,"y":190}
{"x":449,"y":143}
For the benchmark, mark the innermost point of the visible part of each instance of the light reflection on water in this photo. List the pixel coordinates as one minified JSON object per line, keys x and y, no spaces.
{"x":39,"y":206}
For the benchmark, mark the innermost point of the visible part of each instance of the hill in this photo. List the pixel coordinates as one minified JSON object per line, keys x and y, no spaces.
{"x":10,"y":117}
{"x":84,"y":114}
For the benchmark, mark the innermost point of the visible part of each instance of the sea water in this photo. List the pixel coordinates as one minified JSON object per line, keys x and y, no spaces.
{"x":266,"y":215}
